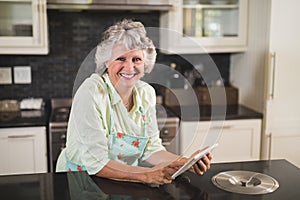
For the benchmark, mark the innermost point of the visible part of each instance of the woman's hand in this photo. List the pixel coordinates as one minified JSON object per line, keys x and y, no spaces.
{"x":162,"y":173}
{"x":202,"y":165}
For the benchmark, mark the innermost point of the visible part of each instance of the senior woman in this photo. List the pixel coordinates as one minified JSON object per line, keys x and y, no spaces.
{"x":112,"y":126}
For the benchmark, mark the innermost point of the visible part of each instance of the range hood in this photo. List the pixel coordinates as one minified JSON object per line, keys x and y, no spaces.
{"x":145,"y":5}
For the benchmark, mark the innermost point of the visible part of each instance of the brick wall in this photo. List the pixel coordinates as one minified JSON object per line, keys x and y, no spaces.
{"x":72,"y":35}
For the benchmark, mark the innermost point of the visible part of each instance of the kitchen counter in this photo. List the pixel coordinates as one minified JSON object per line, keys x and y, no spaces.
{"x":78,"y":185}
{"x":28,"y":118}
{"x":25,"y":118}
{"x":206,"y":113}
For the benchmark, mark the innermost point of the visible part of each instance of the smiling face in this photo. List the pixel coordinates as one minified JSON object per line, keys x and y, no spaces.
{"x":125,"y":67}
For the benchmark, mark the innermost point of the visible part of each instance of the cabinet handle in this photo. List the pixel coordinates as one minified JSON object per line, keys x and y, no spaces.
{"x":273,"y":65}
{"x":19,"y":136}
{"x":222,"y":127}
{"x":270,"y":146}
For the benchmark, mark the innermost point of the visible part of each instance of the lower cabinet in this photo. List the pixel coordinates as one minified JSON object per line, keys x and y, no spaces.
{"x":23,"y":150}
{"x":239,"y":140}
{"x":284,"y":143}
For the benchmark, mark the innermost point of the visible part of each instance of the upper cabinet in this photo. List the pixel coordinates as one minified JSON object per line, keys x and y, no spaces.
{"x":23,"y":27}
{"x":199,"y":26}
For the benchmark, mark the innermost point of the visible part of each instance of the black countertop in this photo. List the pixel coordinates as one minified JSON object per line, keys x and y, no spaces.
{"x":78,"y":185}
{"x":24,"y":118}
{"x":28,"y":118}
{"x":206,"y":113}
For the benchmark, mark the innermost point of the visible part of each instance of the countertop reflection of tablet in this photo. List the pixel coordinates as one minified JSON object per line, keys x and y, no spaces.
{"x":193,"y":160}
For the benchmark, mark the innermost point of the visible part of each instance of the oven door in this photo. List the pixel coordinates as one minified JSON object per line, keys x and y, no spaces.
{"x":169,"y":133}
{"x":57,"y":142}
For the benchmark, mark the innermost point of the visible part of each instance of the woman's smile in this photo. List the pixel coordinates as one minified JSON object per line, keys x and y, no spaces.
{"x":127,"y":75}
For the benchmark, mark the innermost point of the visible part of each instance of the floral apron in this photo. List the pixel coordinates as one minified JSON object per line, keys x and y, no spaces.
{"x":124,"y":148}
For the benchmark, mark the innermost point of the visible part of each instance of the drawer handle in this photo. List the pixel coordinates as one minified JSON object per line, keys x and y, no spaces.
{"x":58,"y":130}
{"x":19,"y":136}
{"x":222,"y":127}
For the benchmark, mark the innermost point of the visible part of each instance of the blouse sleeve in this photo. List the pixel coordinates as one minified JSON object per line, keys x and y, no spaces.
{"x":155,"y":143}
{"x":88,"y":127}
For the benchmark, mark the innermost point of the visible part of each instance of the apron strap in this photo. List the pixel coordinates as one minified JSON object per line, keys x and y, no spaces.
{"x":112,"y":122}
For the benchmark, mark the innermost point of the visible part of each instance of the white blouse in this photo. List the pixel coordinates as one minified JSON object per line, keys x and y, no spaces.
{"x":89,"y":124}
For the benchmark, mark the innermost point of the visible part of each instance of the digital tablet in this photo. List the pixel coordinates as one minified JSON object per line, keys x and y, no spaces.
{"x":193,"y":160}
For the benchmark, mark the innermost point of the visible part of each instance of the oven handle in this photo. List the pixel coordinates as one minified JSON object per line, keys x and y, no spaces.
{"x":56,"y":130}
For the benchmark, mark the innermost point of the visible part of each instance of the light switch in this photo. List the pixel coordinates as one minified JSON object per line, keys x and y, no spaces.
{"x":5,"y":75}
{"x":22,"y":74}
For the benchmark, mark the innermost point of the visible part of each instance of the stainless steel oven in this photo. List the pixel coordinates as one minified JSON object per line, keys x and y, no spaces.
{"x":168,"y":125}
{"x":60,"y":110}
{"x":169,"y":133}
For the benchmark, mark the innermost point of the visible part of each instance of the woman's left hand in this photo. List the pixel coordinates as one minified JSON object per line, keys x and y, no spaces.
{"x":202,"y":165}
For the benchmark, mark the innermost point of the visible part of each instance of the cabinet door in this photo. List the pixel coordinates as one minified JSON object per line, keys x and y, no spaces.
{"x":23,"y":150}
{"x":23,"y":27}
{"x":204,"y":27}
{"x":282,"y":119}
{"x":239,"y":139}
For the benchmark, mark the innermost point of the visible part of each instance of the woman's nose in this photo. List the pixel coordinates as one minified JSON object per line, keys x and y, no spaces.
{"x":128,"y":64}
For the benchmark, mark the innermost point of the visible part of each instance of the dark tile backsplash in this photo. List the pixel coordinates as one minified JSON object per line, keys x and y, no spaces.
{"x":72,"y":36}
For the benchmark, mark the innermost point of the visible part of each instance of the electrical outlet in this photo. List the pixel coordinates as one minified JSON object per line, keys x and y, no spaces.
{"x":5,"y":75}
{"x":22,"y":74}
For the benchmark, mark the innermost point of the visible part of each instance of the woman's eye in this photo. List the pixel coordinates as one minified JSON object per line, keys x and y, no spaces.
{"x":137,"y":59}
{"x":121,"y":59}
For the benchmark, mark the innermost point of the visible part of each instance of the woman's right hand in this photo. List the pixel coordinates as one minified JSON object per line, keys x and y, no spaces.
{"x":162,"y":173}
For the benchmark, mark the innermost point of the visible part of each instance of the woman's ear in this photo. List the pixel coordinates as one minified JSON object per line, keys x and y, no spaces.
{"x":107,"y":64}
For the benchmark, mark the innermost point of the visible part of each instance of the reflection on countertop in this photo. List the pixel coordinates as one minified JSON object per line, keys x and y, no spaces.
{"x":79,"y":185}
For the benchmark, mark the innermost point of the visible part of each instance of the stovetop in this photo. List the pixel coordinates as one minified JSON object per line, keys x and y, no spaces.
{"x":60,"y":114}
{"x":60,"y":110}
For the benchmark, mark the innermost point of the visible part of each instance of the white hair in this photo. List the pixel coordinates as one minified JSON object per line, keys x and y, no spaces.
{"x":130,"y":34}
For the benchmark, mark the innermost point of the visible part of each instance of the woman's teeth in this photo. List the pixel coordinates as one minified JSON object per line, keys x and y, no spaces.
{"x":127,"y":75}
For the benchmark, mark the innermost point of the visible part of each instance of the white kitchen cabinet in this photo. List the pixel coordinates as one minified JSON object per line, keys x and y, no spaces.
{"x":23,"y":150}
{"x":23,"y":27}
{"x":239,"y":139}
{"x":204,"y":27}
{"x":281,"y":138}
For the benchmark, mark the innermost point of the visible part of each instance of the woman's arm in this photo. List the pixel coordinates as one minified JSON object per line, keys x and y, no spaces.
{"x":160,"y":174}
{"x":165,"y":165}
